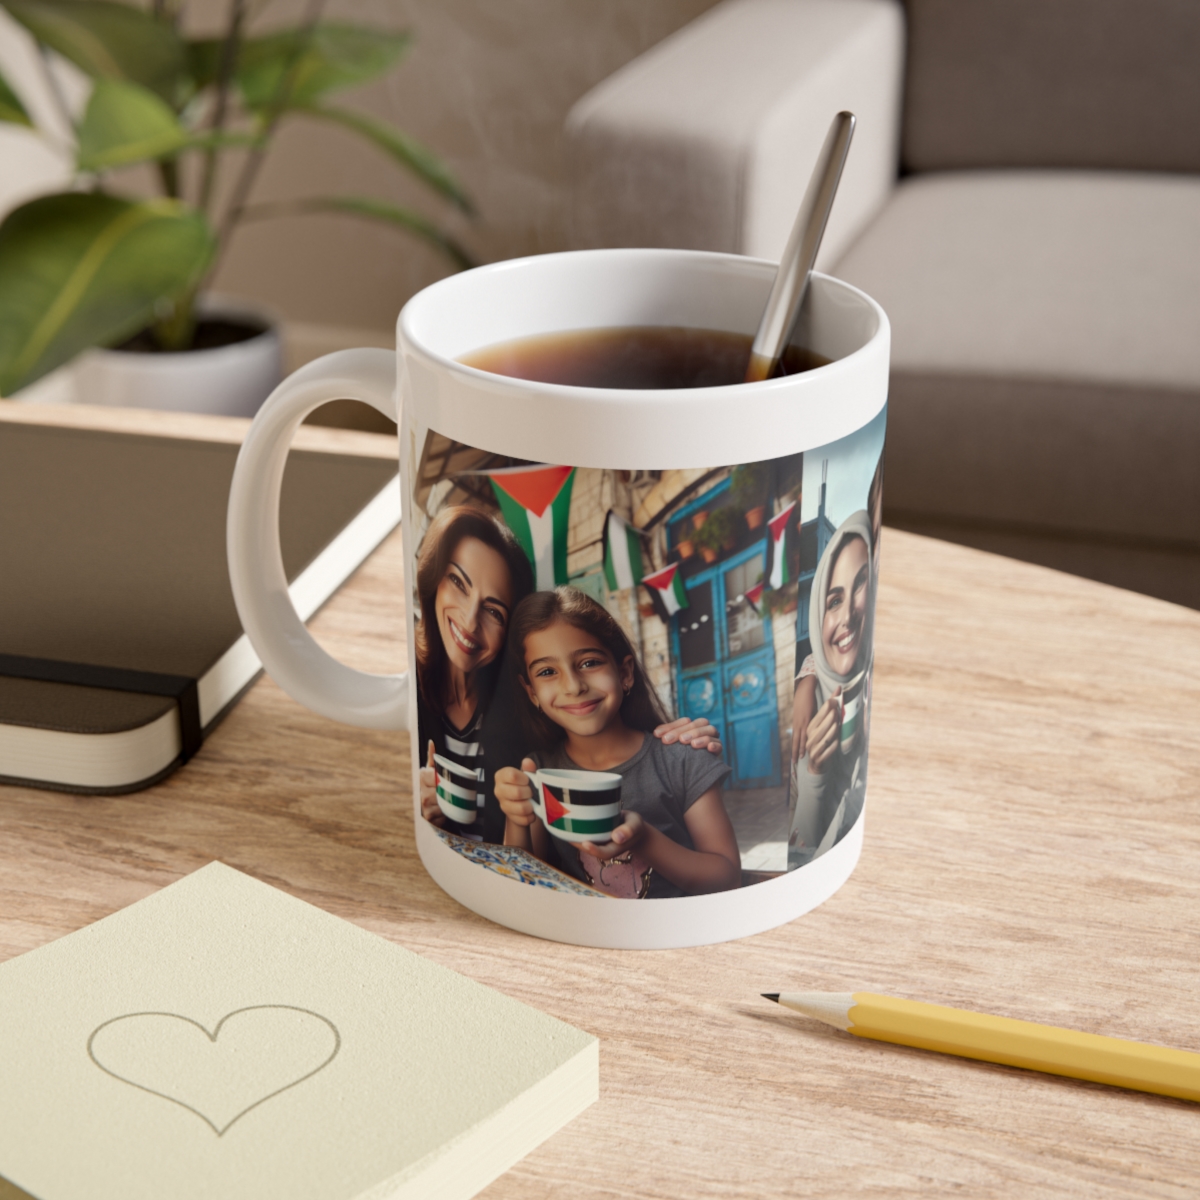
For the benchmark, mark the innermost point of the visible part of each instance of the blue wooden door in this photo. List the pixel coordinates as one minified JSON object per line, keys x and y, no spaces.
{"x":725,"y":667}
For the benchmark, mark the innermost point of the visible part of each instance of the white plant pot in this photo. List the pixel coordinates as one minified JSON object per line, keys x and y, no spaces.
{"x":228,"y":380}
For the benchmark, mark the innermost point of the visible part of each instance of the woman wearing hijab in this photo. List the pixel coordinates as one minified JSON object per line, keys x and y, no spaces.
{"x":829,"y":781}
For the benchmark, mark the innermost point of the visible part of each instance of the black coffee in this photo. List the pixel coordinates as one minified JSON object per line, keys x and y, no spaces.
{"x":651,"y":356}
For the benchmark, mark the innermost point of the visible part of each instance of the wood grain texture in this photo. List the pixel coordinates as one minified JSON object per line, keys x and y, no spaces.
{"x":1032,"y":841}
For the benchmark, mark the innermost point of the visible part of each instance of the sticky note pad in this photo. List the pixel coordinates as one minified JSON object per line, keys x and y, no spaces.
{"x":223,"y":1039}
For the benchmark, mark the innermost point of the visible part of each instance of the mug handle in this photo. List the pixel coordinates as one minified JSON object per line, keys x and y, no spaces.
{"x":260,"y":590}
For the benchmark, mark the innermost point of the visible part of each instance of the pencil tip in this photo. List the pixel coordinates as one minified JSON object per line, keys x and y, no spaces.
{"x":770,"y":996}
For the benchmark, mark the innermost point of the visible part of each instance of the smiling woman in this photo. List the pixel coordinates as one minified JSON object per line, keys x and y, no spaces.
{"x":846,"y":603}
{"x":829,"y":780}
{"x":471,"y":574}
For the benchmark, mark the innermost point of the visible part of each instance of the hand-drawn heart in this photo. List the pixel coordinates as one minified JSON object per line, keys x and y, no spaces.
{"x":251,"y":1055}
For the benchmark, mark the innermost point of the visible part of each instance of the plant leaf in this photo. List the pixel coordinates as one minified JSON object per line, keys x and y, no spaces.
{"x":379,"y":210}
{"x":331,"y":56}
{"x":328,"y":57}
{"x":108,"y":41}
{"x":404,"y":149}
{"x":85,"y":269}
{"x":11,"y":108}
{"x":125,"y":123}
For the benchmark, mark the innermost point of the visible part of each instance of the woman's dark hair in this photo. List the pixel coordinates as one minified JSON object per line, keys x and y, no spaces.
{"x":640,"y":709}
{"x":441,"y":539}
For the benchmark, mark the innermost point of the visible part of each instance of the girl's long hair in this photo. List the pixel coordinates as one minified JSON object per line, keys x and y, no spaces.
{"x":441,"y":539}
{"x":640,"y":709}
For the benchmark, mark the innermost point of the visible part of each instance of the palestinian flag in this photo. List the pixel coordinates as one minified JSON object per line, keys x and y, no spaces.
{"x":754,"y":597}
{"x":667,"y":590}
{"x":579,"y":814}
{"x":622,"y":554}
{"x":778,"y":545}
{"x":535,"y":503}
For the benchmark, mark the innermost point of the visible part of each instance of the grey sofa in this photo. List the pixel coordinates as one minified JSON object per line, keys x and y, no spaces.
{"x":1023,"y":198}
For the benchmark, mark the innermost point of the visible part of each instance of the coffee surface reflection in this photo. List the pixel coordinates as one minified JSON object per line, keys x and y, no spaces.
{"x":633,"y":357}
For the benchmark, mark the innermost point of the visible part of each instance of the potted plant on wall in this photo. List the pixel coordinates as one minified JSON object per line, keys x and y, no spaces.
{"x":716,"y":534}
{"x":748,"y":487}
{"x":92,"y":267}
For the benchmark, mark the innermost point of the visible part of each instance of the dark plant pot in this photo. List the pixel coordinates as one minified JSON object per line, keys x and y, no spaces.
{"x":754,"y":516}
{"x":699,"y":518}
{"x":709,"y":554}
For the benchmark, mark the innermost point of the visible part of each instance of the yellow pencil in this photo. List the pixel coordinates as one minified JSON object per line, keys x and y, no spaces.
{"x":1002,"y":1040}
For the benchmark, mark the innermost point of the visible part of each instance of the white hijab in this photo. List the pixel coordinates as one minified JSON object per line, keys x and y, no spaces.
{"x":856,"y":525}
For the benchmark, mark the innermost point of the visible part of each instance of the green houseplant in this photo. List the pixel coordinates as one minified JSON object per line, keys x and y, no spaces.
{"x":92,"y":267}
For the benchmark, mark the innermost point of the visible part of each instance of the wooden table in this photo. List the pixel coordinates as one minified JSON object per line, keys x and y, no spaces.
{"x":1032,"y":849}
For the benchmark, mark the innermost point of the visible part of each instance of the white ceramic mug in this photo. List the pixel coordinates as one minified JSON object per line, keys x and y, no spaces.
{"x":625,"y":439}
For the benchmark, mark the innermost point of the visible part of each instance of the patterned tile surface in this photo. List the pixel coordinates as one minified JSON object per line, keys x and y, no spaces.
{"x":515,"y":863}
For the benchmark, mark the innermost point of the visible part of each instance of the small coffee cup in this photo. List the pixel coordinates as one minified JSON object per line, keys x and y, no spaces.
{"x":457,"y":790}
{"x":578,"y":806}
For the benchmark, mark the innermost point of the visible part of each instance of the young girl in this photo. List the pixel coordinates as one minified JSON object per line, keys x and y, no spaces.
{"x":591,"y":708}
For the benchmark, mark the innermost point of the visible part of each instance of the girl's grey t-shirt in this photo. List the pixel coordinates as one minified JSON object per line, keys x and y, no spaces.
{"x":659,"y":783}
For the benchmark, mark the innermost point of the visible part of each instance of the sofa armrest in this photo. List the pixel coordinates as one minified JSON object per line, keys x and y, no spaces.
{"x":707,"y":140}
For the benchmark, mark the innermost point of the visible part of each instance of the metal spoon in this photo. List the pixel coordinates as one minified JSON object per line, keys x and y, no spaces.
{"x":791,"y":282}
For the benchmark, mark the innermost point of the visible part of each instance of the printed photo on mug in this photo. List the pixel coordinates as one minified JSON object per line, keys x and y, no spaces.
{"x":573,"y":622}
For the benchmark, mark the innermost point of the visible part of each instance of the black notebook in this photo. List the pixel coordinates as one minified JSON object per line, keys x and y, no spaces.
{"x":120,"y":647}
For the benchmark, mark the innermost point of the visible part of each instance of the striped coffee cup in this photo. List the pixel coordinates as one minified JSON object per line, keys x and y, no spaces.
{"x":852,"y":714}
{"x":457,"y":790}
{"x":578,"y":806}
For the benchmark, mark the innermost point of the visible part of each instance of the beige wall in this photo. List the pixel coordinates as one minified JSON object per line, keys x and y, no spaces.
{"x":488,"y":86}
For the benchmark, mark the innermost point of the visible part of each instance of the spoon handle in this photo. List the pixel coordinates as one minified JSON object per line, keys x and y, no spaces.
{"x":791,"y":281}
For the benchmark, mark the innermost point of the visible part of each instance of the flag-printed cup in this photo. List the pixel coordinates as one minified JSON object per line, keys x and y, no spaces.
{"x":852,"y":713}
{"x":457,"y":790}
{"x":578,"y":806}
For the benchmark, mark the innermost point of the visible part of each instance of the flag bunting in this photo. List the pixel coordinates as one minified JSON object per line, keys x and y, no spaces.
{"x":622,"y":554}
{"x":667,"y":590}
{"x":778,"y":544}
{"x":536,"y":505}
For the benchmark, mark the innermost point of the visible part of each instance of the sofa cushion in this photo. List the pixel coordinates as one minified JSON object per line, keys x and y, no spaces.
{"x":1045,"y":355}
{"x":707,"y":140}
{"x":1052,"y":83}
